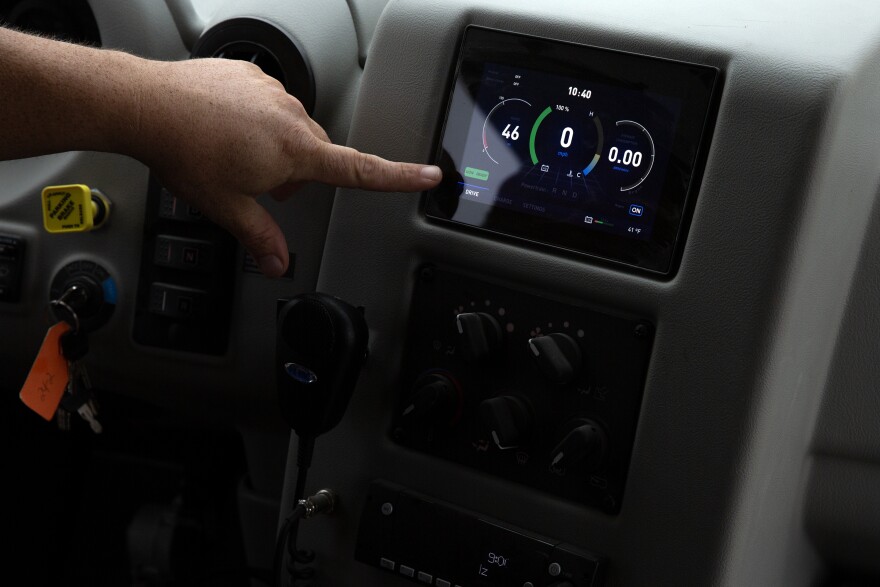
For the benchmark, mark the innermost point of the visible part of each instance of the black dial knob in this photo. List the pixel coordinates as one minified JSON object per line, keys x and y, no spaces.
{"x":480,"y":335}
{"x":508,"y":421}
{"x":584,"y":446}
{"x":558,"y":356}
{"x":435,"y":400}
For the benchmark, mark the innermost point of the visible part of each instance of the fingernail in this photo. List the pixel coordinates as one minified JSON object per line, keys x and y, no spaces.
{"x":271,"y":265}
{"x":431,"y":172}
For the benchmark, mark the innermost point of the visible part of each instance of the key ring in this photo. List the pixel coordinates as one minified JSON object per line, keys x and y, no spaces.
{"x":70,"y":310}
{"x":62,"y":303}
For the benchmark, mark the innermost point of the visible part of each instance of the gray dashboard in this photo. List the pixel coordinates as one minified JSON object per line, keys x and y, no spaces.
{"x":755,"y":454}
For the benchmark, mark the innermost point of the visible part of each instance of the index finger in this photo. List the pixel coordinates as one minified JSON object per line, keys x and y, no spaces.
{"x":347,"y":167}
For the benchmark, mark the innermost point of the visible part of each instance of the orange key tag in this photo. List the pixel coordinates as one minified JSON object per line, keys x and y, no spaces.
{"x":48,"y":377}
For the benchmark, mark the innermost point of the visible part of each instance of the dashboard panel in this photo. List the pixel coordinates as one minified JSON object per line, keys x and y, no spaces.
{"x":545,"y":401}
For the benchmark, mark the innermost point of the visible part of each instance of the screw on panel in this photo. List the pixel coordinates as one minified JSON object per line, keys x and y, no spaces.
{"x":555,"y":569}
{"x":641,"y":330}
{"x":387,"y":508}
{"x":426,"y":274}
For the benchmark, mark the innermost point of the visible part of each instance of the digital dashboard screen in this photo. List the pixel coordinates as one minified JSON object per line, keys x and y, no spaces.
{"x":584,"y":149}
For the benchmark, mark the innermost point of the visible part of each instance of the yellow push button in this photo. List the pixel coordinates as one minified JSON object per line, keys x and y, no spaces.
{"x":73,"y":208}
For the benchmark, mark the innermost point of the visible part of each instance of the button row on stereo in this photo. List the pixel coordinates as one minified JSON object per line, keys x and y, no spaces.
{"x":420,"y":576}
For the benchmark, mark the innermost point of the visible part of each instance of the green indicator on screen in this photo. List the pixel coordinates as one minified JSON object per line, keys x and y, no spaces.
{"x":476,"y":173}
{"x":535,"y":126}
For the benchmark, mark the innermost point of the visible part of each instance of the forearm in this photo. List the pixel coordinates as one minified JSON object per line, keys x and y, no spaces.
{"x":58,"y":96}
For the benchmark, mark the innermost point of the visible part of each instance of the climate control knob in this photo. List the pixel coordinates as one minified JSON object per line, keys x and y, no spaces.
{"x":558,"y":356}
{"x":584,"y":446}
{"x":508,"y":420}
{"x":435,"y":399}
{"x":480,"y":336}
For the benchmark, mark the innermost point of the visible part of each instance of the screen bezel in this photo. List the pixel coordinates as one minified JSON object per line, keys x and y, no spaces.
{"x":694,"y":85}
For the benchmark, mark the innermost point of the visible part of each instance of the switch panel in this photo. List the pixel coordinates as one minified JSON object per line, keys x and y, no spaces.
{"x":11,"y":261}
{"x":187,"y":278}
{"x":539,"y":391}
{"x":437,"y":543}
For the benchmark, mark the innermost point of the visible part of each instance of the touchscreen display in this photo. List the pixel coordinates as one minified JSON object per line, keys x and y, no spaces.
{"x":571,"y":146}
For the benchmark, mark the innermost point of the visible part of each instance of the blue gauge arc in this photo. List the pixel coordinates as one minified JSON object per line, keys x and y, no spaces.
{"x":599,"y":144}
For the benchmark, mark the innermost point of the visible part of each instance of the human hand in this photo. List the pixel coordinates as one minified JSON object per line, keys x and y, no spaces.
{"x":218,"y":133}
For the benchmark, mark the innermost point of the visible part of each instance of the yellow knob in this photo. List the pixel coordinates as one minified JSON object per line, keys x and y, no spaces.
{"x":73,"y":208}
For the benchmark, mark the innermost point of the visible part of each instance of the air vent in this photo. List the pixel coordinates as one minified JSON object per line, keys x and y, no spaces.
{"x":266,"y":46}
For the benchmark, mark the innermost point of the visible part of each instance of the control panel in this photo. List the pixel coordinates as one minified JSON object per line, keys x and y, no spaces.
{"x":187,"y":273}
{"x":11,"y":262}
{"x":436,"y":543}
{"x":538,"y":391}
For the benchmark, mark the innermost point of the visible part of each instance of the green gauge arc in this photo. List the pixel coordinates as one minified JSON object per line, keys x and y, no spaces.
{"x":600,"y":139}
{"x":535,"y":126}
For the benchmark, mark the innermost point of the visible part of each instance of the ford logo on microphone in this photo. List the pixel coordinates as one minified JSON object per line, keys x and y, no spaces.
{"x":300,"y":373}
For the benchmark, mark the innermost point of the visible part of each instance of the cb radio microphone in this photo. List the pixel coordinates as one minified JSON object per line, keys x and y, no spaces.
{"x":321,"y":346}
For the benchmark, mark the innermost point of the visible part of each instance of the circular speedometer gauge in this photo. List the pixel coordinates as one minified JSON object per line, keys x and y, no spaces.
{"x":503,"y":129}
{"x":566,"y":141}
{"x":631,"y":154}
